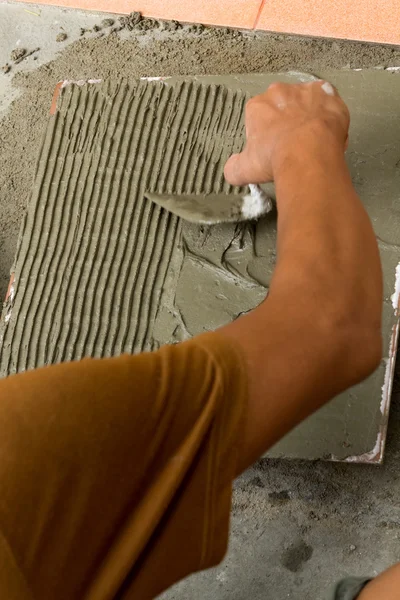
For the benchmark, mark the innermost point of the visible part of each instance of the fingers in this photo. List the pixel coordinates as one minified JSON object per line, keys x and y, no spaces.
{"x":236,"y":169}
{"x":246,"y":167}
{"x":337,"y":105}
{"x":275,"y":119}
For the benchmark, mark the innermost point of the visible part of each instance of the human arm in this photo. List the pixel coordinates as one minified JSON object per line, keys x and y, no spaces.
{"x":318,"y":331}
{"x":384,"y":587}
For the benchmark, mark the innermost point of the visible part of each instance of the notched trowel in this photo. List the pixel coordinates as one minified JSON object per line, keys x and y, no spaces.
{"x":216,"y":208}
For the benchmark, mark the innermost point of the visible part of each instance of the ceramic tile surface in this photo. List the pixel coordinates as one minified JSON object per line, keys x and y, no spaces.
{"x":369,"y":20}
{"x":241,"y":13}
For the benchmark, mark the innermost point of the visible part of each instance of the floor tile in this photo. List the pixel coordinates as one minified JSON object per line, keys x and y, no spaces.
{"x":238,"y":13}
{"x":369,"y":20}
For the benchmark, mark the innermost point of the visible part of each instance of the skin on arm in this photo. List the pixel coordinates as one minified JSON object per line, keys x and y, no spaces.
{"x":385,"y":587}
{"x":319,"y":330}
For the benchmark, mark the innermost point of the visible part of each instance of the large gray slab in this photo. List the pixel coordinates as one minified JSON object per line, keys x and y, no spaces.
{"x":100,"y":270}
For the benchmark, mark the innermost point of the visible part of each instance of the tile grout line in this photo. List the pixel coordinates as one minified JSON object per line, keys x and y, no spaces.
{"x":263,"y":2}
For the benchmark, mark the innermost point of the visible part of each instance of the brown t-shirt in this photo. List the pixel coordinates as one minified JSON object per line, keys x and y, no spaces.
{"x":116,"y":474}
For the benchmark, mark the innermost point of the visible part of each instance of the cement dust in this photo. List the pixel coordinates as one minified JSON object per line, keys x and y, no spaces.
{"x":192,"y":50}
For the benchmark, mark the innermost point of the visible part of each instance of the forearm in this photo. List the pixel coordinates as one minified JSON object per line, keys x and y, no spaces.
{"x":326,"y":244}
{"x":299,"y":344}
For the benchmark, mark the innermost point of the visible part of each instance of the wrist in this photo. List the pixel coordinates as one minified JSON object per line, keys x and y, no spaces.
{"x":311,"y":148}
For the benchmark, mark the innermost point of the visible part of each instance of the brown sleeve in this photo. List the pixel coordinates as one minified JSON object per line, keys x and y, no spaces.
{"x":116,"y":474}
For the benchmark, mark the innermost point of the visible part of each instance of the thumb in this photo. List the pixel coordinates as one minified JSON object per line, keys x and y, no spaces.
{"x":236,"y":169}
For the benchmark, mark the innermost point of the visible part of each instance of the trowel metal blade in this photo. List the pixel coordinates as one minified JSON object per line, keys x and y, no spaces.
{"x":199,"y":208}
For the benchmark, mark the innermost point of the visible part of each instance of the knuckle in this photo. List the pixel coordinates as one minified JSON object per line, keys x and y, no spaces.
{"x":276,"y":86}
{"x":252,"y":105}
{"x":279,"y":91}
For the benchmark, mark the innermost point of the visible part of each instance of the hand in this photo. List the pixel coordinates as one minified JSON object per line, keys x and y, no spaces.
{"x":288,"y":118}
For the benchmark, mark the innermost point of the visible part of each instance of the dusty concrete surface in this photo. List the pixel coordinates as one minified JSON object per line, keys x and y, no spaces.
{"x":296,"y":527}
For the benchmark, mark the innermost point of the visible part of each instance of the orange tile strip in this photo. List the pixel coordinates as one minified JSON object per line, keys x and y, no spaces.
{"x":231,"y":13}
{"x":10,"y":283}
{"x":366,"y":20}
{"x":56,"y":94}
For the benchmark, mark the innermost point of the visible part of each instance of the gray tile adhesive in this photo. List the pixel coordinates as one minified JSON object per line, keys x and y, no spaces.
{"x":101,"y":270}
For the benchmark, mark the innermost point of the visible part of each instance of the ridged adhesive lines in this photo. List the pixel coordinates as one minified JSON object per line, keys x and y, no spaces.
{"x":80,"y":276}
{"x":95,"y":254}
{"x":68,"y":213}
{"x":77,"y":224}
{"x":139,"y":284}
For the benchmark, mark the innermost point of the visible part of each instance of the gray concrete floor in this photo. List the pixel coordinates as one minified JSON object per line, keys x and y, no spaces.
{"x":32,"y":26}
{"x":296,"y":526}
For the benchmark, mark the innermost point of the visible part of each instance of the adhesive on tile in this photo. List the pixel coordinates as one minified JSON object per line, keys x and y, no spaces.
{"x":101,"y":270}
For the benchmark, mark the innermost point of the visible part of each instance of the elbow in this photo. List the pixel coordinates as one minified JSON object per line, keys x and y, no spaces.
{"x":357,"y":352}
{"x":377,"y":350}
{"x":354,"y":325}
{"x":369,"y":347}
